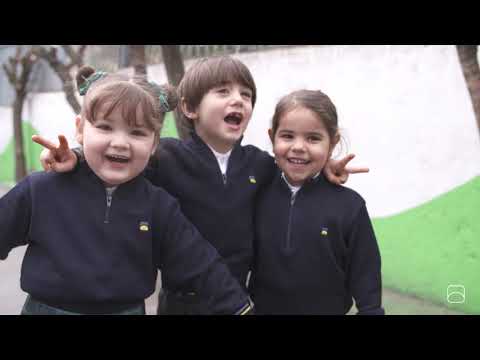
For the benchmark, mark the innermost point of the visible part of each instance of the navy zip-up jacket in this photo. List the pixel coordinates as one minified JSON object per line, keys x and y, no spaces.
{"x":315,"y":251}
{"x":221,"y":209}
{"x":87,"y":256}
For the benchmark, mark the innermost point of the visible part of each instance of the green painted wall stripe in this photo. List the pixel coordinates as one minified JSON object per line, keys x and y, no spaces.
{"x":434,"y":245}
{"x":32,"y":155}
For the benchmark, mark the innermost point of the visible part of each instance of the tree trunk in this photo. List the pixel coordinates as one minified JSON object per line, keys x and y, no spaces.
{"x":467,"y":55}
{"x":19,"y":80}
{"x":68,"y":87}
{"x":20,"y":165}
{"x":69,"y":90}
{"x":173,"y":60}
{"x":63,"y":70}
{"x":138,"y":59}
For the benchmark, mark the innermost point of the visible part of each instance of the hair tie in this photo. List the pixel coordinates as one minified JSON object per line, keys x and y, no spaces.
{"x":163,"y":101}
{"x":97,"y":75}
{"x":162,"y":97}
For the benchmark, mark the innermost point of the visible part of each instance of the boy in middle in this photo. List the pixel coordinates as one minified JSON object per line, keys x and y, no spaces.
{"x":214,"y":177}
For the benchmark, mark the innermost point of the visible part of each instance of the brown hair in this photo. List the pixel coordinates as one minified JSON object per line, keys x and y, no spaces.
{"x":133,"y":96}
{"x":313,"y":100}
{"x":208,"y":73}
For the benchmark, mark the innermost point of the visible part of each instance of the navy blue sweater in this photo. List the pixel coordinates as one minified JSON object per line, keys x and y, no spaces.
{"x":86,"y":256}
{"x":221,"y":209}
{"x":314,"y":251}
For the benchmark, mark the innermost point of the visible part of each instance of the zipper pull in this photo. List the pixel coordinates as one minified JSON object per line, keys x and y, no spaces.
{"x":224,"y":176}
{"x":292,"y":199}
{"x":107,"y":211}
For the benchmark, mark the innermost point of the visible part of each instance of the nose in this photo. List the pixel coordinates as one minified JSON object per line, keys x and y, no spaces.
{"x":119,"y":140}
{"x":298,"y":145}
{"x":236,"y":98}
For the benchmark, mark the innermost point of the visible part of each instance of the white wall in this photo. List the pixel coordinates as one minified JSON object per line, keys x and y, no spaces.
{"x":405,"y":111}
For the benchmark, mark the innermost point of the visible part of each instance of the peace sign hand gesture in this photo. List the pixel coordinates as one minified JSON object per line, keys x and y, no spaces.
{"x":59,"y":158}
{"x":337,"y":172}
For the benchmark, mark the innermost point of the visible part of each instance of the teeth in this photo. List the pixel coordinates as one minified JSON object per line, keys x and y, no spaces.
{"x":117,"y":158}
{"x":298,"y":161}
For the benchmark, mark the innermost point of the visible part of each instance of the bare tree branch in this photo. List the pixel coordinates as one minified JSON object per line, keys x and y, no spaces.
{"x":76,"y":57}
{"x":64,"y":70}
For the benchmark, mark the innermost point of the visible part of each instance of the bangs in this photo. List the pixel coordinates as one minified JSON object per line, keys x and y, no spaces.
{"x":135,"y":105}
{"x":214,"y":72}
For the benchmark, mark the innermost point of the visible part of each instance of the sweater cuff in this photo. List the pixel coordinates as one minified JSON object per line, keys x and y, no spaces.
{"x":78,"y":151}
{"x":247,"y":309}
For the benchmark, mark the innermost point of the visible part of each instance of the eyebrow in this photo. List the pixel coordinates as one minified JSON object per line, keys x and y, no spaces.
{"x":308,"y":133}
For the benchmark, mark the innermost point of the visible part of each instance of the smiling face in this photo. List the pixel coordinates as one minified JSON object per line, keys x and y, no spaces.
{"x":301,"y":144}
{"x":222,"y":115}
{"x":116,"y":150}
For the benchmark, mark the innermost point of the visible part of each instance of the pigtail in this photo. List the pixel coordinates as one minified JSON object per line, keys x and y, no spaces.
{"x":166,"y":95}
{"x":86,"y":75}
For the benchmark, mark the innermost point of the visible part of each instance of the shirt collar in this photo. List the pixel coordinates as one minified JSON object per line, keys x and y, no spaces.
{"x":222,"y":159}
{"x":293,"y":188}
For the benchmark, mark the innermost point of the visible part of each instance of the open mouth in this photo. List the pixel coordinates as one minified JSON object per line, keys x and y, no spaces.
{"x":234,"y":118}
{"x":297,"y":161}
{"x":117,"y":158}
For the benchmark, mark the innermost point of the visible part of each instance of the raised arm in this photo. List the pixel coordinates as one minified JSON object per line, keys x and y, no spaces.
{"x":191,"y":264}
{"x":15,"y":209}
{"x":59,"y":158}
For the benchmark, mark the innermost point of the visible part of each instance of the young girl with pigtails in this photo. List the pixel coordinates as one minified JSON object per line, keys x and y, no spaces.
{"x":97,"y":236}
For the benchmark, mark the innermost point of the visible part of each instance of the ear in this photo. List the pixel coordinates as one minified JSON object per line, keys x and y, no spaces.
{"x":271,"y":135}
{"x":193,"y":115}
{"x":334,"y":143}
{"x":79,"y":129}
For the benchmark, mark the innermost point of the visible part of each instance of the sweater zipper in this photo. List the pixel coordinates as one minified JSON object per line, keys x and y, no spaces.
{"x":289,"y":228}
{"x":224,"y":177}
{"x":107,"y":210}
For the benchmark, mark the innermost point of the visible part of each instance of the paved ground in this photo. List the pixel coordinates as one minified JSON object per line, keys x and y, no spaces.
{"x":12,"y":297}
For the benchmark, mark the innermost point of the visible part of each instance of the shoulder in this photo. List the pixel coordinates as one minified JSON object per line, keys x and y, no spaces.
{"x":168,"y":145}
{"x":261,"y":161}
{"x":159,"y":197}
{"x":260,"y":157}
{"x":43,"y":178}
{"x":252,"y":150}
{"x":344,"y":196}
{"x":349,"y":194}
{"x":169,"y":142}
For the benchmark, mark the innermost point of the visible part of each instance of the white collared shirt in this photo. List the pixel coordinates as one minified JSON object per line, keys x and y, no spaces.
{"x":222,"y":159}
{"x":294,"y":189}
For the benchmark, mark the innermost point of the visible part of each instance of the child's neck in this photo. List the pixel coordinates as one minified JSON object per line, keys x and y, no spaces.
{"x":221,"y":148}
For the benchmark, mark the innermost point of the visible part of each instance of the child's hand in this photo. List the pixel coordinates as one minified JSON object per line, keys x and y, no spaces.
{"x":57,"y":158}
{"x":337,"y":172}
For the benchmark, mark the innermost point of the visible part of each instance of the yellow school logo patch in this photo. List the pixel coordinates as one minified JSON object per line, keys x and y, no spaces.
{"x":324,"y":231}
{"x":252,"y":179}
{"x":144,"y":226}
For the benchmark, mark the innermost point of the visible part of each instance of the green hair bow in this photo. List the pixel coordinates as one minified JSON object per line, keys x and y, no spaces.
{"x":97,"y":75}
{"x":162,"y":96}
